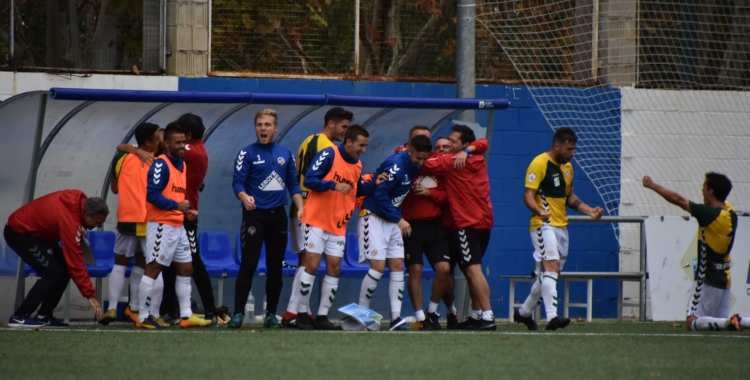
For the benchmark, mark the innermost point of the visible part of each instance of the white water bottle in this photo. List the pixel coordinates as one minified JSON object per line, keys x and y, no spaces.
{"x":250,"y":309}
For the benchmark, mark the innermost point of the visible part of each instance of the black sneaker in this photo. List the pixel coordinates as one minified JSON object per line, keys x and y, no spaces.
{"x":434,"y":320}
{"x":557,"y":323}
{"x":50,"y":321}
{"x":466,"y":322}
{"x":289,"y":323}
{"x":399,"y":324}
{"x":482,"y":324}
{"x":24,"y":322}
{"x":452,"y":321}
{"x":303,"y":323}
{"x":528,"y":321}
{"x":425,"y":325}
{"x":322,"y":323}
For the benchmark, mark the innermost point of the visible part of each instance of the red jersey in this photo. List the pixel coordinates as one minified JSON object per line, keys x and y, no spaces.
{"x":420,"y":207}
{"x":58,"y":217}
{"x":197,"y":159}
{"x":468,"y":189}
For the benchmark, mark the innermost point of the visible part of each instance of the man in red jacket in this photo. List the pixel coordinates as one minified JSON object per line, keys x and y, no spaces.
{"x":33,"y":232}
{"x":468,"y":187}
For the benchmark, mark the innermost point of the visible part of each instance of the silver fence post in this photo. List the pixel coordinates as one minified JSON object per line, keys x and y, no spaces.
{"x":644,"y":273}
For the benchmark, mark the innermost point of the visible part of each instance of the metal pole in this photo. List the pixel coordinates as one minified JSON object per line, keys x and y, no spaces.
{"x":12,"y":31}
{"x":595,"y":43}
{"x":644,"y":274}
{"x":210,"y":15}
{"x":356,"y":38}
{"x":490,"y":124}
{"x":466,"y":54}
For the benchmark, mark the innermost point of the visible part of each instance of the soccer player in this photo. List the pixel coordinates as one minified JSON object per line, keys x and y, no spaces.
{"x":708,"y":308}
{"x":381,"y":228}
{"x":166,"y":238}
{"x":264,"y":172}
{"x":549,"y":189}
{"x":336,"y":121}
{"x":128,"y":180}
{"x":33,"y":232}
{"x":196,"y":159}
{"x":334,"y":180}
{"x":469,"y":200}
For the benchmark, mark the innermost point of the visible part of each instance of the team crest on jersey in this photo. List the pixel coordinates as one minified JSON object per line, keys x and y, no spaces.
{"x":340,"y":243}
{"x":374,"y":252}
{"x":549,"y":253}
{"x":310,"y":245}
{"x":281,"y":161}
{"x":532,"y":177}
{"x":251,"y":230}
{"x":567,"y":173}
{"x":162,"y":257}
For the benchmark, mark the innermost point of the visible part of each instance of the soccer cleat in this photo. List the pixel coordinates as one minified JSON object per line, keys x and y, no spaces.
{"x":399,"y":324}
{"x":482,"y":324}
{"x":434,"y":320}
{"x":452,"y":321}
{"x":528,"y":321}
{"x":193,"y":321}
{"x":423,"y":326}
{"x":161,"y":321}
{"x":270,"y":321}
{"x":170,"y":319}
{"x":236,"y":321}
{"x":303,"y":322}
{"x":108,"y":317}
{"x":289,"y":321}
{"x":466,"y":323}
{"x":323,"y":323}
{"x":734,"y":323}
{"x":132,"y":315}
{"x":50,"y":321}
{"x":557,"y":323}
{"x":24,"y":322}
{"x":149,"y":324}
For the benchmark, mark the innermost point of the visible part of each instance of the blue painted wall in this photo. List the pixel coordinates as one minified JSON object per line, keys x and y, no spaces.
{"x":519,"y":134}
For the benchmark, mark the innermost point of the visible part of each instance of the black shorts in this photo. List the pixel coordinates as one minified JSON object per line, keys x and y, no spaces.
{"x":469,"y":246}
{"x":427,"y":236}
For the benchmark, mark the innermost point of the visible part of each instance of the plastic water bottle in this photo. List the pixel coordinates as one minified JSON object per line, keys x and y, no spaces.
{"x":250,"y":309}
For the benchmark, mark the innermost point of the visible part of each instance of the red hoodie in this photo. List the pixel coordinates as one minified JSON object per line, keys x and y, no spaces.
{"x":58,"y":217}
{"x":468,"y":189}
{"x":197,"y":160}
{"x":419,"y":207}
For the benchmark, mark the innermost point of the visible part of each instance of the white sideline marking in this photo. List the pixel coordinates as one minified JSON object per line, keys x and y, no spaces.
{"x":227,"y":331}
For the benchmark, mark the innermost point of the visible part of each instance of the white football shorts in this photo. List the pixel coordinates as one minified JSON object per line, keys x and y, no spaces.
{"x":167,"y":243}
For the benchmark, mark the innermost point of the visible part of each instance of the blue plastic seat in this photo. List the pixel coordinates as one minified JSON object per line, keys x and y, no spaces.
{"x":350,"y":266}
{"x":8,"y":263}
{"x":103,"y":247}
{"x":217,"y":254}
{"x":261,"y":269}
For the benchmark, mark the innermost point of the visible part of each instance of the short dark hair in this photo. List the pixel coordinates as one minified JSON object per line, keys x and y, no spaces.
{"x":564,"y":135}
{"x":171,"y":129}
{"x":353,"y":132}
{"x":337,"y":114}
{"x":145,"y":133}
{"x":443,"y":137}
{"x":193,"y":124}
{"x":421,"y":143}
{"x":720,"y":184}
{"x":466,"y":134}
{"x":96,"y":206}
{"x":417,"y":128}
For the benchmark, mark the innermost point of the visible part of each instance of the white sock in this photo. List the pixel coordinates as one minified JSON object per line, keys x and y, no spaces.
{"x":420,"y":315}
{"x":453,"y":310}
{"x":487,"y":315}
{"x":328,"y":294}
{"x":135,"y":281}
{"x":157,"y":294}
{"x":369,"y":284}
{"x":532,"y":300}
{"x":396,"y":293}
{"x":116,"y":282}
{"x":745,"y":323}
{"x":476,"y":314}
{"x":293,"y":306}
{"x":710,"y":324}
{"x":183,"y":288}
{"x":433,"y":307}
{"x":549,"y":294}
{"x":306,"y":281}
{"x":144,"y":297}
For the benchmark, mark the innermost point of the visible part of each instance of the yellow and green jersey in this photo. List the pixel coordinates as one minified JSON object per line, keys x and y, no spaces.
{"x":552,"y":182}
{"x":715,"y":238}
{"x":307,"y":151}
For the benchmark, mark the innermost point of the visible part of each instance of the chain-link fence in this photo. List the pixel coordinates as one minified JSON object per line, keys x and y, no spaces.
{"x":85,"y":35}
{"x":397,"y":38}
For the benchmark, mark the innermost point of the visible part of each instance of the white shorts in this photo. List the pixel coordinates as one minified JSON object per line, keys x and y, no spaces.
{"x":128,"y":245}
{"x":379,"y":239}
{"x":320,"y":242}
{"x":708,"y":301}
{"x":297,"y":235}
{"x":167,"y":243}
{"x":550,"y":243}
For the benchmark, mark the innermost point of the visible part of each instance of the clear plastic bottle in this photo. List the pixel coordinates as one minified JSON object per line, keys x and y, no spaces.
{"x":250,"y":309}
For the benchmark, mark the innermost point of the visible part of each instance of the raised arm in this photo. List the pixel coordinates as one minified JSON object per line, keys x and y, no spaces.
{"x":669,"y":195}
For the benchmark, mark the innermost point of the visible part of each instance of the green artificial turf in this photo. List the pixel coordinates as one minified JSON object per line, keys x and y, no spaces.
{"x":624,"y":350}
